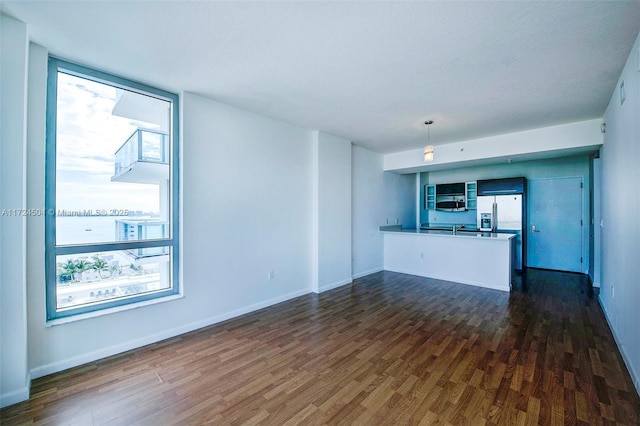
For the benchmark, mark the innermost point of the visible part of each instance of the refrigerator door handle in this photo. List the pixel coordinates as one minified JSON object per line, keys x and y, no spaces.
{"x":494,"y":221}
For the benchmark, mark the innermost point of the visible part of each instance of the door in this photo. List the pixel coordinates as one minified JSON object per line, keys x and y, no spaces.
{"x":555,"y":224}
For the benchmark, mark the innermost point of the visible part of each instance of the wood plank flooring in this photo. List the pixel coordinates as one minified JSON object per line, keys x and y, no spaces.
{"x":391,"y":349}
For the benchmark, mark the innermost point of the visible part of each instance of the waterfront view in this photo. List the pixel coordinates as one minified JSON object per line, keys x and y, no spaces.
{"x":89,"y":229}
{"x":97,"y":277}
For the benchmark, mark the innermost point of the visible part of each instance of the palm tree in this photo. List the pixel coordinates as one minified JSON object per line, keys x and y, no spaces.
{"x":81,"y":266}
{"x":99,"y":265}
{"x":72,"y":269}
{"x":67,"y":270}
{"x":115,"y":270}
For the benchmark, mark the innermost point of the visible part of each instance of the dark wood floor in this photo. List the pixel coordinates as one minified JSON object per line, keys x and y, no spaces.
{"x":390,"y":349}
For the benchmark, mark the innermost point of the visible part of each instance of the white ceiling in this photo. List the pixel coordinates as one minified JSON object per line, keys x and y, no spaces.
{"x":370,"y":72}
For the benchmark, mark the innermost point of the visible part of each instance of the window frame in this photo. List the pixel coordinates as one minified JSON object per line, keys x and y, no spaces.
{"x":56,"y":65}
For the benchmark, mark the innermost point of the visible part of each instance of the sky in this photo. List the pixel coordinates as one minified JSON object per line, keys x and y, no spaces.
{"x":88,"y":136}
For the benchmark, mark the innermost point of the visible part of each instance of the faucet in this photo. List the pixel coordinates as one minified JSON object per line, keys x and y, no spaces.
{"x":459,"y":227}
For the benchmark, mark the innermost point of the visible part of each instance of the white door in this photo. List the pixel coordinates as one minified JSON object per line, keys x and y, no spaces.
{"x":555,"y":224}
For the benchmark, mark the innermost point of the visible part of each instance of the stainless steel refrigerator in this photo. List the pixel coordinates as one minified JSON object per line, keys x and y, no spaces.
{"x":504,"y":213}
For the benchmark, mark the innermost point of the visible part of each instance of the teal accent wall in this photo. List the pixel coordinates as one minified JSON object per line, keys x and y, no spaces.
{"x":537,"y":169}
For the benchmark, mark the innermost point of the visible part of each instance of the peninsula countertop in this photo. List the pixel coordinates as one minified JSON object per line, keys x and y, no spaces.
{"x":483,"y":259}
{"x":463,"y":233}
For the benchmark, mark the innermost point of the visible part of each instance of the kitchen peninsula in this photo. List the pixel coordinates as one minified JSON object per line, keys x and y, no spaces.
{"x":476,"y":258}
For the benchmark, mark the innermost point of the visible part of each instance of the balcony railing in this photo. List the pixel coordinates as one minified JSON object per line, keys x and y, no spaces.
{"x":143,"y":145}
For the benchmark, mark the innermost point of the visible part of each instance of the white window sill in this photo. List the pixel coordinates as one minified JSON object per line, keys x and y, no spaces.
{"x":116,"y":309}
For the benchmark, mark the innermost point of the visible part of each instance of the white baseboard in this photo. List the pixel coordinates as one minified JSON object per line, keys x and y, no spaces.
{"x":369,"y":272}
{"x":335,"y":285}
{"x":65,"y":364}
{"x":15,"y":396}
{"x":627,"y":360}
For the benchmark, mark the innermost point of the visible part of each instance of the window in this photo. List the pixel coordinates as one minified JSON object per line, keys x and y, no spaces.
{"x":111,"y":224}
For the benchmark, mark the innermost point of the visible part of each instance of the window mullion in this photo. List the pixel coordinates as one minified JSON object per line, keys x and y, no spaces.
{"x":124,"y":245}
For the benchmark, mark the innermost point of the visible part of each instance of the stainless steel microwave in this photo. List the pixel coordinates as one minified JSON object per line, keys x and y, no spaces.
{"x":451,"y":203}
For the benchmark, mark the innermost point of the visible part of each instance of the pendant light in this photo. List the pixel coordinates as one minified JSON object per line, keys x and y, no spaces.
{"x":428,"y":149}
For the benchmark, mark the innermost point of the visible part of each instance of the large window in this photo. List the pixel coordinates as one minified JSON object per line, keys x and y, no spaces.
{"x":111,"y":191}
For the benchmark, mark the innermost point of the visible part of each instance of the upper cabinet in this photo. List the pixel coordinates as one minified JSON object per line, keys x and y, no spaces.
{"x":471,"y":193}
{"x":429,"y":197}
{"x":505,"y":186}
{"x":449,"y":189}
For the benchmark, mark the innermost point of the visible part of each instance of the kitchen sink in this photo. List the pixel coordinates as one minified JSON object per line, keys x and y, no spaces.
{"x":449,"y":230}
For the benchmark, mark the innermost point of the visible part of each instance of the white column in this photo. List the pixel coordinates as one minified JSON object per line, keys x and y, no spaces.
{"x":14,"y":367}
{"x":331,"y":221}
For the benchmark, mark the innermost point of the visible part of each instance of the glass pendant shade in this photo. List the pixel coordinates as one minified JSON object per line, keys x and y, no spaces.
{"x":428,"y":153}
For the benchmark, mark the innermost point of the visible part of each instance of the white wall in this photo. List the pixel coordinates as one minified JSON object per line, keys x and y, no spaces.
{"x":247,"y":205}
{"x":597,"y":217}
{"x":331,"y":225}
{"x":620,"y":292}
{"x":399,"y":199}
{"x":546,"y":141}
{"x":596,"y":186}
{"x":367,"y":211}
{"x":378,"y":198}
{"x":36,"y":127}
{"x":14,"y":372}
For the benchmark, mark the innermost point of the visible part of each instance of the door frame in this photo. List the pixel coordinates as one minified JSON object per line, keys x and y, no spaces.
{"x":595,"y":220}
{"x":584,"y":266}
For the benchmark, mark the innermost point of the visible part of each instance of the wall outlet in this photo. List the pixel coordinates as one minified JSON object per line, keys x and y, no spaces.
{"x":612,"y":292}
{"x":421,"y":255}
{"x":271,"y":275}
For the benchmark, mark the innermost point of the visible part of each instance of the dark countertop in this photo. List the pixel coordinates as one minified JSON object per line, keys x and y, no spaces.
{"x":449,"y":233}
{"x":448,"y":227}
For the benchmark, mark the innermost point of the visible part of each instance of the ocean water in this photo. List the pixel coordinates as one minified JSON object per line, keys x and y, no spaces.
{"x":85,"y":229}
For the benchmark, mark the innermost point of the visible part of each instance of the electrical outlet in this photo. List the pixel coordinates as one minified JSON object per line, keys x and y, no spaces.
{"x":612,"y":292}
{"x":421,"y":255}
{"x":271,"y":275}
